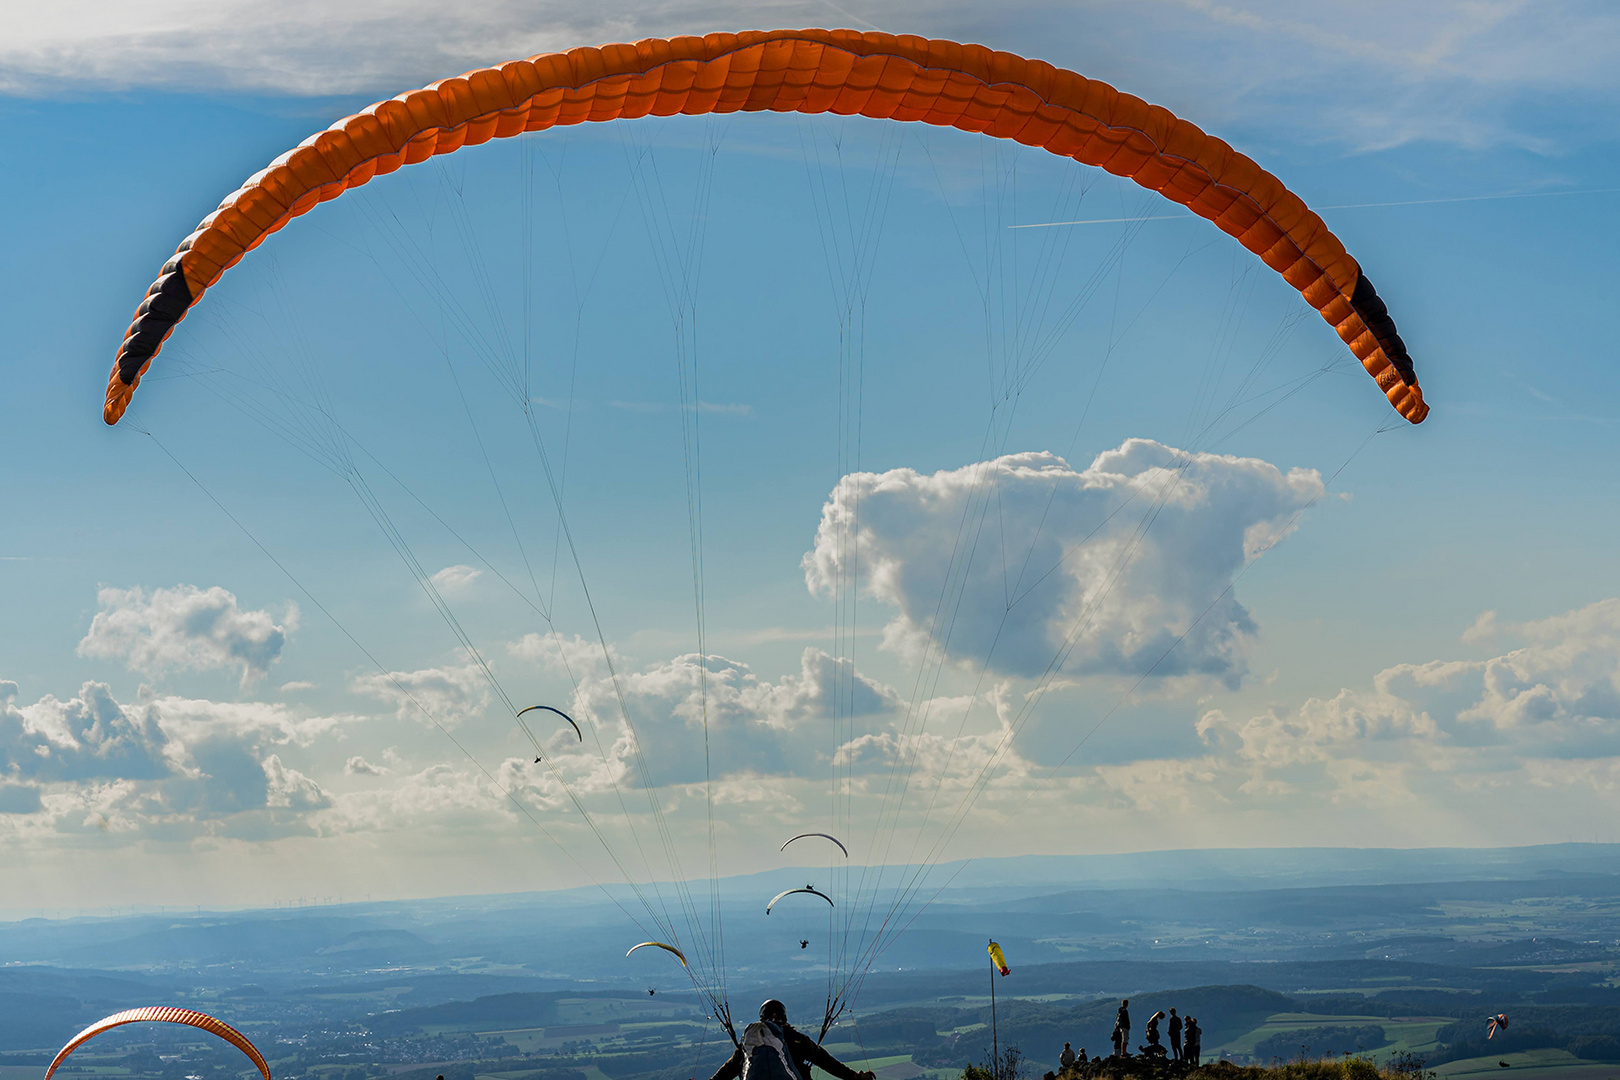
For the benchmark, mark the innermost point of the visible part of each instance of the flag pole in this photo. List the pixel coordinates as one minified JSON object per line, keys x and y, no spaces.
{"x":995,"y":1040}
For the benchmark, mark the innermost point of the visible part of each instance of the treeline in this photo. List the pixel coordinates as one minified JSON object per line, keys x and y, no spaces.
{"x":1329,"y":1041}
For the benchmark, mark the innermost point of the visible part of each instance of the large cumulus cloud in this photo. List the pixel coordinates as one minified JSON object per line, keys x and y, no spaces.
{"x":86,"y":737}
{"x":1024,"y":559}
{"x":186,"y":629}
{"x":177,"y":765}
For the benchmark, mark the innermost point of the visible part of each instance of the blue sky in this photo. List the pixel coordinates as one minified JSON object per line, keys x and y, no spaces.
{"x":1427,"y":655}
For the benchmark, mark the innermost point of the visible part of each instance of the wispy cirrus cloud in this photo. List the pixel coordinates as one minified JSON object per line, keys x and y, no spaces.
{"x":720,"y":407}
{"x":1447,"y":71}
{"x":454,"y":578}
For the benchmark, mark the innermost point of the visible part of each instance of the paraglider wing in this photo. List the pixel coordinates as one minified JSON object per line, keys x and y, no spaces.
{"x":660,"y":945}
{"x":560,"y":713}
{"x":1500,"y":1020}
{"x":998,"y":958}
{"x":165,"y":1015}
{"x":824,"y":836}
{"x":846,"y":72}
{"x":790,"y":892}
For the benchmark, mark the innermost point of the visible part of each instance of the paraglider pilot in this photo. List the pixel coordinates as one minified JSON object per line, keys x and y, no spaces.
{"x":773,"y":1049}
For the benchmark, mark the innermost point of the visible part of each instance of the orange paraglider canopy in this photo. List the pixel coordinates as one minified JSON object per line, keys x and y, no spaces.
{"x":846,"y":72}
{"x":166,"y":1015}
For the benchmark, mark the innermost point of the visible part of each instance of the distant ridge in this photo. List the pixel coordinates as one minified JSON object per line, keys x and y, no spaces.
{"x":1197,"y":869}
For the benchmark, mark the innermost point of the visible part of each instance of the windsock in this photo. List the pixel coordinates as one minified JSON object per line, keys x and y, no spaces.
{"x":999,"y":958}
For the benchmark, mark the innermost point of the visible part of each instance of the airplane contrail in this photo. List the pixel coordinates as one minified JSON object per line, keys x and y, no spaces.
{"x":1341,"y":206}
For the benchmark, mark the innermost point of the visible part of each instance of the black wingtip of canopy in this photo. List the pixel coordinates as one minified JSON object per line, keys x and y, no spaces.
{"x":1375,"y":314}
{"x":166,"y":303}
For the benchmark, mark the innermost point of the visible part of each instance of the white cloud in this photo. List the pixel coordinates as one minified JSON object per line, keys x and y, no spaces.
{"x":1448,"y":70}
{"x":185,"y":628}
{"x":290,"y":789}
{"x":86,"y":737}
{"x":1440,"y":733}
{"x":951,"y":764}
{"x":1024,"y":560}
{"x":173,"y":767}
{"x":1424,"y":751}
{"x":441,"y":795}
{"x":563,"y":655}
{"x":780,"y":728}
{"x":282,"y":725}
{"x":451,"y":695}
{"x":456,"y":577}
{"x":296,"y":686}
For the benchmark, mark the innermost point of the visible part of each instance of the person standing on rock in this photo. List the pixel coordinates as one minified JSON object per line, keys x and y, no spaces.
{"x":1122,"y":1029}
{"x":1194,"y":1042}
{"x":1154,"y":1048}
{"x":1175,"y":1036}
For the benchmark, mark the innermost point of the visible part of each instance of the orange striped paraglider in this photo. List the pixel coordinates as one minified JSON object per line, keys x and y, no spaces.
{"x":845,"y":72}
{"x":163,"y":1014}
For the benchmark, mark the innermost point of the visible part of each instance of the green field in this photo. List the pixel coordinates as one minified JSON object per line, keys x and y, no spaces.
{"x":1416,"y":1033}
{"x":1531,"y":1065}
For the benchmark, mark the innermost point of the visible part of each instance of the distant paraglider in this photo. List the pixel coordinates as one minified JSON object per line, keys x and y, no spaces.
{"x":659,"y":945}
{"x":1500,"y":1020}
{"x":824,"y":836}
{"x":811,"y":889}
{"x":652,"y":990}
{"x":560,"y":713}
{"x":163,"y":1014}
